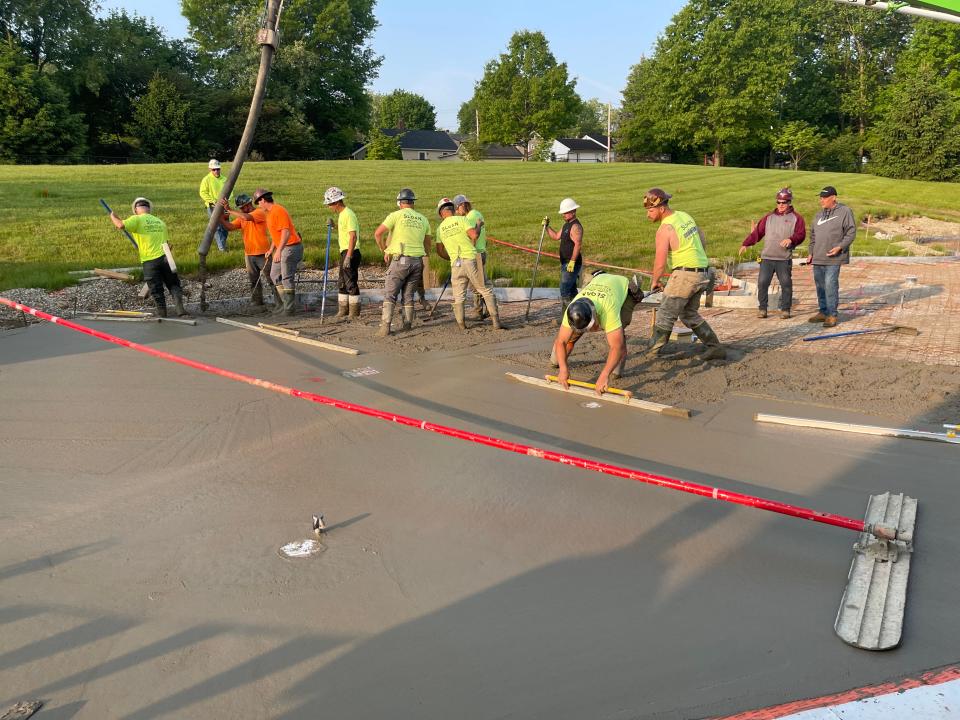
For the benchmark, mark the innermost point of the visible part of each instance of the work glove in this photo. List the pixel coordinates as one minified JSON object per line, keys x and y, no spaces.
{"x":571,"y":265}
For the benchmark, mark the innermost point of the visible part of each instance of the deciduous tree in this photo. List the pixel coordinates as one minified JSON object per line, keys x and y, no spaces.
{"x":404,"y":110}
{"x":798,"y":139}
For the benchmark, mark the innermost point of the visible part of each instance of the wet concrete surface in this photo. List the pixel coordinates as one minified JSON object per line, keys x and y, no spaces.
{"x":144,"y":502}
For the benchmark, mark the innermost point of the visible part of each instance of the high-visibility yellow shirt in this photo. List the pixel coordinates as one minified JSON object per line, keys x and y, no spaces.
{"x":210,"y":188}
{"x":149,"y":232}
{"x":473,"y":217}
{"x":452,"y":232}
{"x":346,"y":223}
{"x":607,"y":292}
{"x":407,"y":230}
{"x":690,"y":252}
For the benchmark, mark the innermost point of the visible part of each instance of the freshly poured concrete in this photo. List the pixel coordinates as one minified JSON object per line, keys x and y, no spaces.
{"x":143,"y":504}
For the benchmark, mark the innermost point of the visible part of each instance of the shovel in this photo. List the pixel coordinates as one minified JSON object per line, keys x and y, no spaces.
{"x":901,"y":329}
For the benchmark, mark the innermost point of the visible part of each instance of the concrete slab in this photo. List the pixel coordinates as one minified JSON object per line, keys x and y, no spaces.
{"x":143,"y":505}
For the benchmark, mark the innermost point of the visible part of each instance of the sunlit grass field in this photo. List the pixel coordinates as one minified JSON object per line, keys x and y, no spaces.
{"x":51,"y":221}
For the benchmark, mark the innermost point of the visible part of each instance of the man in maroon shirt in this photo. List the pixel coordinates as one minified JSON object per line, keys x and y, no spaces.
{"x":781,"y":231}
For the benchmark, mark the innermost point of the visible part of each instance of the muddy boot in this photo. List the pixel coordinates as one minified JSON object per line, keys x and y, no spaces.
{"x":178,"y":301}
{"x":256,"y":295}
{"x":495,"y":318}
{"x":289,"y":301}
{"x":458,"y":315}
{"x":407,"y":317}
{"x":354,"y":307}
{"x":161,"y":308}
{"x":658,"y":341}
{"x":343,"y":305}
{"x":715,"y":351}
{"x":385,"y":319}
{"x":424,"y":305}
{"x":479,"y":307}
{"x":563,"y":309}
{"x":278,"y":294}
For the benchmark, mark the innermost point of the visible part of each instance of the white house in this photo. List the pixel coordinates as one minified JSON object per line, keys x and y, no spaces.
{"x":577,"y":150}
{"x":418,"y":145}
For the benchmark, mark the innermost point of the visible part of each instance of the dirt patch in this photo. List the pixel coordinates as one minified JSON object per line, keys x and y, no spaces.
{"x":914,"y":227}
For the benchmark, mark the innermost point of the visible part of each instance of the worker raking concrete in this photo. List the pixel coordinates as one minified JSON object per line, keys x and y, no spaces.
{"x":404,"y":237}
{"x":457,"y":243}
{"x":465,"y":208}
{"x":680,"y":242}
{"x":606,"y":304}
{"x":348,"y":239}
{"x":252,"y":223}
{"x":150,"y":233}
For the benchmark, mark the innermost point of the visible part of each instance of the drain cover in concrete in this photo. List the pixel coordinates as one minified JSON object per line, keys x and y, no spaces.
{"x":299,"y":549}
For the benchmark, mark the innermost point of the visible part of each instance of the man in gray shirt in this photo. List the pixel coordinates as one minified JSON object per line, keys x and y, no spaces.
{"x":831,"y":233}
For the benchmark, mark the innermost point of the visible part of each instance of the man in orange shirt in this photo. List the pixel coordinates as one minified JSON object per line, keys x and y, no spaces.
{"x":286,"y":250}
{"x":253,"y":225}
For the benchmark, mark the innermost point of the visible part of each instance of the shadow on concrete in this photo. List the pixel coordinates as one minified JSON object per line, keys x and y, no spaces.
{"x":45,"y":562}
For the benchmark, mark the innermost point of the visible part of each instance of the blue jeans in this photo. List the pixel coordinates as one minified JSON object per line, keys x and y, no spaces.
{"x":220,"y":235}
{"x":568,"y":281}
{"x":827,"y":279}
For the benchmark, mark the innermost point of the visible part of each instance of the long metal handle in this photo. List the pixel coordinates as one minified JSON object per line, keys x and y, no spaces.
{"x":536,"y":266}
{"x":129,"y":236}
{"x":442,"y":291}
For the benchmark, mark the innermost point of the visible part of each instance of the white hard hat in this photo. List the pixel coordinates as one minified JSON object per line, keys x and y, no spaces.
{"x":141,"y":201}
{"x":213,"y":164}
{"x":332,"y":195}
{"x":444,"y":202}
{"x":567,"y":205}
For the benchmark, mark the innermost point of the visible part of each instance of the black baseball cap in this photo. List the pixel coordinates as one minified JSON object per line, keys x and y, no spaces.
{"x":828,"y":191}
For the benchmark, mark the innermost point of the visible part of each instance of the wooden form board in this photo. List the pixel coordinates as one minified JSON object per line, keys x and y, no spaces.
{"x":607,"y":397}
{"x":292,"y":338}
{"x":858,"y":429}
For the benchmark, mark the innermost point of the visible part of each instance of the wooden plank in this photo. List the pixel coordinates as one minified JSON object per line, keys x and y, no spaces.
{"x":182,"y":321}
{"x":292,"y":338}
{"x":857,"y":429}
{"x":618,"y":399}
{"x":279,"y":328}
{"x":113,"y":275}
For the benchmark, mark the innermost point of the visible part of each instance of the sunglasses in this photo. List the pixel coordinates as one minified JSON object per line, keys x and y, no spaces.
{"x":783,"y":202}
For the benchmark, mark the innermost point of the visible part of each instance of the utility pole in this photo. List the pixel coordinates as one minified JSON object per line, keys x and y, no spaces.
{"x":476,"y":113}
{"x":609,"y":123}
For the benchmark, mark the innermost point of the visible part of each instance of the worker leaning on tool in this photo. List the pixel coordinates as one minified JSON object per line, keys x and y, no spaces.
{"x":457,"y":240}
{"x":150,"y":233}
{"x":286,"y":248}
{"x":348,"y":239}
{"x":404,"y":237}
{"x":680,"y":242}
{"x":571,"y":257}
{"x":465,"y":209}
{"x":252,"y":224}
{"x":210,"y":188}
{"x":605,"y":304}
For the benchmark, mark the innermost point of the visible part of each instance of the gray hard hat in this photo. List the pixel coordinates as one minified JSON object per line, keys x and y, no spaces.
{"x":581,"y":314}
{"x":406,"y":195}
{"x":243,"y":199}
{"x":459,"y":200}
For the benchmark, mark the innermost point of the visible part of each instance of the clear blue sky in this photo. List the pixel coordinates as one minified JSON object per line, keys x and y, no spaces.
{"x":440,"y":54}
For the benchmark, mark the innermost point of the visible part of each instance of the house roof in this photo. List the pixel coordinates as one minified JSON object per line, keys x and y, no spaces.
{"x":581,"y":145}
{"x":597,"y":137}
{"x":501,"y":151}
{"x":427,"y":140}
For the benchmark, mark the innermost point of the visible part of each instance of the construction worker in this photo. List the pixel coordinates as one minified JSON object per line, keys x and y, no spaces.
{"x":404,"y":238}
{"x":348,"y":239}
{"x":253,"y":225}
{"x":571,"y":257}
{"x":210,"y":189}
{"x":150,"y":234}
{"x":286,"y":248}
{"x":605,"y":304}
{"x":681,"y":242}
{"x":832,"y":232}
{"x":781,"y":231}
{"x":457,"y":240}
{"x":465,"y":208}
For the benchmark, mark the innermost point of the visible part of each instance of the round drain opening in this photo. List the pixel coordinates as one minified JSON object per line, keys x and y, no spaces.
{"x":299,"y":549}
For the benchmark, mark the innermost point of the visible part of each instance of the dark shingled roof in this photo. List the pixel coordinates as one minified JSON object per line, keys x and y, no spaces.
{"x":581,"y":145}
{"x":602,"y":139}
{"x":501,"y":151}
{"x":427,"y":140}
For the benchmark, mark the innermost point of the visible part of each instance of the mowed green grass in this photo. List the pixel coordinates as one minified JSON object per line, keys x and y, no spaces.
{"x":51,"y":221}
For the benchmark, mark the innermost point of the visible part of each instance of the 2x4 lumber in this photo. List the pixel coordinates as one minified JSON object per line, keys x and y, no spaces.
{"x":113,"y":275}
{"x":857,"y":429}
{"x":292,"y":338}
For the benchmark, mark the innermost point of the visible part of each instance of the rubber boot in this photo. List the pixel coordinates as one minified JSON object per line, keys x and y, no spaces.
{"x":289,"y":301}
{"x":424,"y":305}
{"x":178,"y":301}
{"x":494,"y":317}
{"x":479,"y":307}
{"x":715,"y":351}
{"x":277,"y":299}
{"x":407,"y":317}
{"x":343,"y":305}
{"x":354,"y":307}
{"x":256,"y":295}
{"x":458,"y":315}
{"x":658,"y":341}
{"x":385,"y":319}
{"x":161,"y":308}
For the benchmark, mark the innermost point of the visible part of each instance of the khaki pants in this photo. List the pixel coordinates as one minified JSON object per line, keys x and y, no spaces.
{"x":681,"y":299}
{"x":469,"y":273}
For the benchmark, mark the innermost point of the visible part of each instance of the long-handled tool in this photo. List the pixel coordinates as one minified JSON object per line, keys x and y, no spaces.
{"x":901,"y":329}
{"x":166,"y":246}
{"x":872,"y":609}
{"x":326,"y":270}
{"x":589,"y":385}
{"x":129,"y":236}
{"x":536,"y":265}
{"x":439,"y":297}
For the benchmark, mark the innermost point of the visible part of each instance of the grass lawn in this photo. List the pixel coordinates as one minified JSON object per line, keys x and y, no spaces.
{"x":51,"y":221}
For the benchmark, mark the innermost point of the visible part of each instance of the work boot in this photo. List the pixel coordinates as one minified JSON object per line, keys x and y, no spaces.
{"x":479,"y":307}
{"x":458,"y":315}
{"x":354,"y":307}
{"x":658,"y":341}
{"x":161,"y":308}
{"x":385,"y":319}
{"x":494,"y":317}
{"x":563,"y":309}
{"x":178,"y":301}
{"x":277,"y":299}
{"x":407,"y":317}
{"x":715,"y":351}
{"x":424,"y":305}
{"x":256,"y":295}
{"x":784,"y":314}
{"x":830,"y":321}
{"x":287,"y":297}
{"x":343,"y":305}
{"x":761,"y":313}
{"x":818,"y":318}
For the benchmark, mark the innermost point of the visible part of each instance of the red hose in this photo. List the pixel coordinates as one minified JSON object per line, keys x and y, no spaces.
{"x":592,"y":263}
{"x":529,"y":450}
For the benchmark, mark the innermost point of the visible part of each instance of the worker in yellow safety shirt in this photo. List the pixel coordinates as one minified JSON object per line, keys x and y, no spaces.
{"x":348,"y":238}
{"x":465,"y":208}
{"x":210,"y":188}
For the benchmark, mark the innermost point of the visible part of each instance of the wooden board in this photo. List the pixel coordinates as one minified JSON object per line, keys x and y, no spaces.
{"x":292,"y":338}
{"x":182,"y":321}
{"x":858,"y":429}
{"x":113,"y":275}
{"x":618,"y":399}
